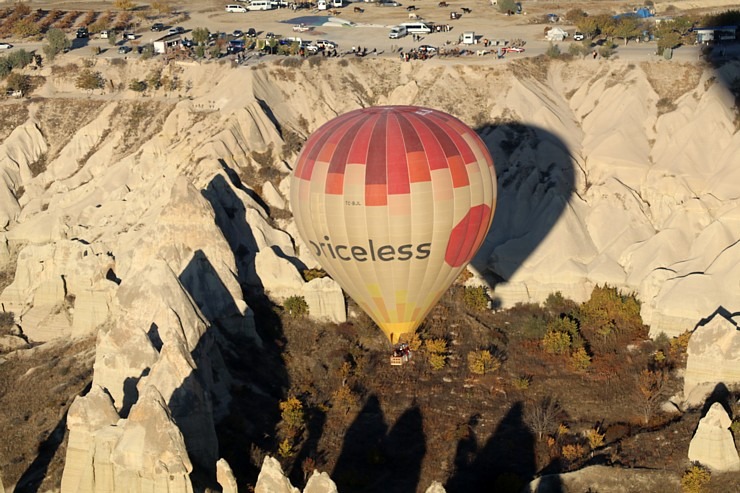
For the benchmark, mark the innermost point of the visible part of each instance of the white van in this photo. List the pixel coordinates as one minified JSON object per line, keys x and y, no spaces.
{"x":397,"y":32}
{"x":416,"y":27}
{"x":337,"y":3}
{"x":322,"y":5}
{"x":235,"y":8}
{"x":260,"y":5}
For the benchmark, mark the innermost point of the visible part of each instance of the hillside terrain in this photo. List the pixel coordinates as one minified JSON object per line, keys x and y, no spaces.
{"x":148,"y":237}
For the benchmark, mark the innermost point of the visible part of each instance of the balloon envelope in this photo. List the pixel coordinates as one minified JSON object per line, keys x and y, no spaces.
{"x":393,"y":202}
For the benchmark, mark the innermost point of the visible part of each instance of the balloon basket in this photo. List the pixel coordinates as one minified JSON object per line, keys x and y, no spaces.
{"x":401,"y":355}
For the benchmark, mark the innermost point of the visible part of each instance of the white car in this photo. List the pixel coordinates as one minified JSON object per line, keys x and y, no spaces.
{"x":578,"y":36}
{"x":5,"y":46}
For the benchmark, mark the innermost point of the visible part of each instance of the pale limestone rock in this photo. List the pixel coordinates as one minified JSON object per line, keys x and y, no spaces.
{"x":225,"y":477}
{"x":272,"y":479}
{"x":272,"y":196}
{"x":48,"y":279}
{"x":2,"y":488}
{"x":22,"y":147}
{"x":282,"y":280}
{"x":436,"y":487}
{"x":86,"y":417}
{"x":606,"y":479}
{"x":10,"y":343}
{"x":325,"y":300}
{"x":713,"y":444}
{"x":150,"y":454}
{"x":713,"y":357}
{"x":320,"y":483}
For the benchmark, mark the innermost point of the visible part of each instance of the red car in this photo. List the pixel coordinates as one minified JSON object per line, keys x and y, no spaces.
{"x":513,"y":49}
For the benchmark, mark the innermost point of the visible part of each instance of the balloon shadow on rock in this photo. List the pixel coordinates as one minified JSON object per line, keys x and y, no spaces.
{"x":506,"y":463}
{"x":535,"y":177}
{"x":374,"y":459}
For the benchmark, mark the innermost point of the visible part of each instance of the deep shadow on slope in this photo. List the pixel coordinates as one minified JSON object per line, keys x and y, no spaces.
{"x":374,"y":459}
{"x":532,"y":194}
{"x":254,"y":366}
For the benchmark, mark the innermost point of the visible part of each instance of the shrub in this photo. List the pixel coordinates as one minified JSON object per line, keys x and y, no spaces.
{"x":574,"y":451}
{"x":5,"y":67}
{"x":18,"y":82}
{"x":20,"y":58}
{"x":606,"y":51}
{"x":522,"y":383}
{"x":90,"y":80}
{"x":292,"y":142}
{"x":482,"y":362}
{"x":476,"y":298}
{"x":437,"y":349}
{"x":7,"y":322}
{"x":56,"y":43}
{"x":26,"y":28}
{"x":553,"y":51}
{"x":311,"y":274}
{"x":292,"y":413}
{"x":695,"y":479}
{"x":556,"y":342}
{"x":580,"y":360}
{"x":680,"y":344}
{"x":595,"y":439}
{"x":285,"y":449}
{"x":296,"y":306}
{"x":137,"y":85}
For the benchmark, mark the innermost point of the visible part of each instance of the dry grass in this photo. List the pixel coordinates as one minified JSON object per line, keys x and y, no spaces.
{"x":59,"y":119}
{"x":140,"y":121}
{"x":36,"y":389}
{"x":672,"y":80}
{"x":11,"y":116}
{"x":531,"y":68}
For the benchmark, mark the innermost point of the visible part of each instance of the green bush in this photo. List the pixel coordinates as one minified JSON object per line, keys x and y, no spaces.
{"x":553,"y":51}
{"x":20,"y":58}
{"x":476,"y":298}
{"x":137,"y":85}
{"x":57,"y":42}
{"x":5,"y":67}
{"x":296,"y":306}
{"x":311,"y":274}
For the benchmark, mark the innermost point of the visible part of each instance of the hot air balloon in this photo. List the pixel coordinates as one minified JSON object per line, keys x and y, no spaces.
{"x":393,"y":202}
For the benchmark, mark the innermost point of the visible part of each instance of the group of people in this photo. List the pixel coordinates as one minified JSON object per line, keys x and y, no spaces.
{"x":415,"y":54}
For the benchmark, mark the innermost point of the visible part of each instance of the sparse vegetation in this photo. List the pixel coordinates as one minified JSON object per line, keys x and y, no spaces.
{"x":296,"y":306}
{"x":476,"y":298}
{"x":695,"y":480}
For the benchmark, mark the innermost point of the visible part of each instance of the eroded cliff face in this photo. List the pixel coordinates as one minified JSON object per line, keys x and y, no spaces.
{"x":152,"y":220}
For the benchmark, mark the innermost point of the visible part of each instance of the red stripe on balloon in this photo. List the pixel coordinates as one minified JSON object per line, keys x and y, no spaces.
{"x":360,"y":147}
{"x":398,"y":168}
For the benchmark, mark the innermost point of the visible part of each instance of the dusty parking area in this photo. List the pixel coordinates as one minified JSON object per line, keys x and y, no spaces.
{"x":369,"y":28}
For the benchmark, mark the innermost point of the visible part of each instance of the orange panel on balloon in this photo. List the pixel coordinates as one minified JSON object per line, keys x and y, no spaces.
{"x":414,"y":195}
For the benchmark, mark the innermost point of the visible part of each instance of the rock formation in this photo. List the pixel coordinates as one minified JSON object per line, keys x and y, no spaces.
{"x":225,"y":477}
{"x":272,"y":479}
{"x":713,"y":444}
{"x":713,"y":357}
{"x":608,"y":479}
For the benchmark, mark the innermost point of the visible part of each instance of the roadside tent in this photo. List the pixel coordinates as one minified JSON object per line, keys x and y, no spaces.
{"x":643,"y":13}
{"x":556,"y":34}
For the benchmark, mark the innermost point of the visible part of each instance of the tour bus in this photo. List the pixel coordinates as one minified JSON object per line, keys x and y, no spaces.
{"x":260,"y":5}
{"x":417,"y":27}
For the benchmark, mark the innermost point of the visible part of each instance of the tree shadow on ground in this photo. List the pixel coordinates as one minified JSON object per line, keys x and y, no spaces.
{"x":506,"y":463}
{"x":374,"y":459}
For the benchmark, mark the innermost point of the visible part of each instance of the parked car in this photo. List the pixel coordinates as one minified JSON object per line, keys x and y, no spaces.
{"x":129,"y":36}
{"x":513,"y":49}
{"x":428,"y":49}
{"x":5,"y":46}
{"x":326,"y":44}
{"x":578,"y":36}
{"x":157,"y":26}
{"x":123,"y":49}
{"x":389,"y":3}
{"x":176,"y":30}
{"x":238,"y":33}
{"x":82,"y":32}
{"x":251,"y":33}
{"x":188,"y":43}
